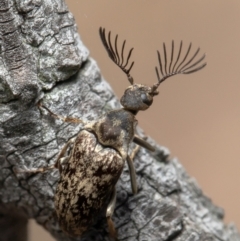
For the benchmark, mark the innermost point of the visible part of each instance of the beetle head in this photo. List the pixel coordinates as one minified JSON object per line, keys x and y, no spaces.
{"x":138,"y":97}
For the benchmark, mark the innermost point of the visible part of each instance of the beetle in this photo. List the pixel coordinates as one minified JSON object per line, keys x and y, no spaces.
{"x":91,"y":163}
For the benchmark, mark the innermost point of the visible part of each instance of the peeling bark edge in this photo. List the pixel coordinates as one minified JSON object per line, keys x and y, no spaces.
{"x":169,"y":205}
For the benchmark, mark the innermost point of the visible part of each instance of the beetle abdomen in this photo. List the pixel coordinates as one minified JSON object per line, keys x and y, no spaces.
{"x":86,"y":182}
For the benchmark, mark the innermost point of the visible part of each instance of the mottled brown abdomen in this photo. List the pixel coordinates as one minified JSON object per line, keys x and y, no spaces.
{"x":86,"y":182}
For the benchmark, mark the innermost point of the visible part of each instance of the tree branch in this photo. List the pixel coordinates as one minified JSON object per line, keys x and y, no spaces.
{"x":42,"y":57}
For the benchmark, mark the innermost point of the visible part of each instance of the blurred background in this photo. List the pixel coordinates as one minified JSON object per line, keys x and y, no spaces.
{"x":196,"y":116}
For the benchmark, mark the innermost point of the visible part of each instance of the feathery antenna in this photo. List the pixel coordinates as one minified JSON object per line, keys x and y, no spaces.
{"x":114,"y":55}
{"x":179,"y":66}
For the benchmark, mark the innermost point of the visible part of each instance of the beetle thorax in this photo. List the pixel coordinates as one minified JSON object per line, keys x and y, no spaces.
{"x":115,"y":129}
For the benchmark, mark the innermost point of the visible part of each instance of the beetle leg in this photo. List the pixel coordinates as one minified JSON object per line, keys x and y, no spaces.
{"x":132,"y":169}
{"x":37,"y":170}
{"x":141,"y":142}
{"x":61,"y":160}
{"x":63,"y":118}
{"x":109,"y":213}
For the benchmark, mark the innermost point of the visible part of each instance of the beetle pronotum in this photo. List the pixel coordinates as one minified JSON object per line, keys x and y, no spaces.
{"x":91,"y":163}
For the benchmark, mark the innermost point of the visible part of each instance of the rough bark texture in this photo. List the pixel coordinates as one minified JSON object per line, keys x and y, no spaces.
{"x":42,"y":57}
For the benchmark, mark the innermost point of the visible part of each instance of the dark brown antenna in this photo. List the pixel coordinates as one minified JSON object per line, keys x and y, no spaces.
{"x":179,"y":67}
{"x":113,"y":53}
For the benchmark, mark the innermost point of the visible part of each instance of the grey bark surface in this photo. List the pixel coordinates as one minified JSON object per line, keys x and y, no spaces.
{"x":42,"y":57}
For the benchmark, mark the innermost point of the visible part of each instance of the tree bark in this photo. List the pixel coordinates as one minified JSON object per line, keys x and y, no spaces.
{"x":42,"y":57}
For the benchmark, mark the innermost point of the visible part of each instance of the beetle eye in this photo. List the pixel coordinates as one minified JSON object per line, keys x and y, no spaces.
{"x":146,"y":99}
